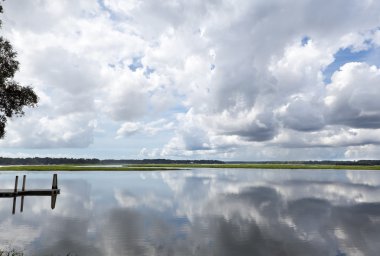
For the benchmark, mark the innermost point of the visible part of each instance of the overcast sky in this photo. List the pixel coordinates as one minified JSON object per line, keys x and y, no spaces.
{"x":199,"y":79}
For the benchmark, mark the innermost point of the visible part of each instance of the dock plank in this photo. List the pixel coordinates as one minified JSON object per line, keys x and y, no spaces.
{"x":29,"y":192}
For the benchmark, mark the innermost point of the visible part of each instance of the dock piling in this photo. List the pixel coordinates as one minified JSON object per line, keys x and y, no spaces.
{"x":15,"y":196}
{"x":22,"y":189}
{"x":55,"y":182}
{"x":54,"y":186}
{"x":16,"y":183}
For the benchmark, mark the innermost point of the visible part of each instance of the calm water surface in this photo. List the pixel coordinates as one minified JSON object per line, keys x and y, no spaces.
{"x":197,"y":212}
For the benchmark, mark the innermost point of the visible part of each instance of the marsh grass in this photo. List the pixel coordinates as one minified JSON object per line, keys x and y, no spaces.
{"x":266,"y":166}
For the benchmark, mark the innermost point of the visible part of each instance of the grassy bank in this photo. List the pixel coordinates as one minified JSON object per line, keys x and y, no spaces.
{"x":155,"y":167}
{"x":267,"y":166}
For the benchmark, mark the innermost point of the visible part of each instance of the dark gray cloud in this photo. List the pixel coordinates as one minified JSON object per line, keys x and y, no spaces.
{"x":262,"y":128}
{"x":303,"y":115}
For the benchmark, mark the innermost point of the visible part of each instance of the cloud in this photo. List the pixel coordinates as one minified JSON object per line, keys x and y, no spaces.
{"x":128,"y":128}
{"x":226,"y":77}
{"x":126,"y":98}
{"x":302,"y":114}
{"x":257,"y":90}
{"x":72,"y":130}
{"x":151,"y":128}
{"x":352,"y":97}
{"x":362,"y":152}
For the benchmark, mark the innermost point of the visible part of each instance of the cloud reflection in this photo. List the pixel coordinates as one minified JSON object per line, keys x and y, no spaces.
{"x":223,"y":212}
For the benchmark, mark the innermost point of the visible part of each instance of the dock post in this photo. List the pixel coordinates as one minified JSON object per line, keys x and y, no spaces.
{"x":53,"y":193}
{"x":55,"y":182}
{"x":16,"y":183}
{"x":15,"y":196}
{"x":23,"y":189}
{"x":53,"y":201}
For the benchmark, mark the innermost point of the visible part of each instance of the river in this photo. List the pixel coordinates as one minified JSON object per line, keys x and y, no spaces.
{"x":196,"y":212}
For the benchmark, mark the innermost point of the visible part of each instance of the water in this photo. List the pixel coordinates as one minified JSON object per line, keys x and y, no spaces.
{"x":197,"y":212}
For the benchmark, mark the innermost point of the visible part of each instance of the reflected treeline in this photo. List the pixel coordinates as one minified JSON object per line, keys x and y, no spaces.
{"x":15,"y":193}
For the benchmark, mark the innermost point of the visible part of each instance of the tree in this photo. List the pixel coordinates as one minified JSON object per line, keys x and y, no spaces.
{"x":13,"y":96}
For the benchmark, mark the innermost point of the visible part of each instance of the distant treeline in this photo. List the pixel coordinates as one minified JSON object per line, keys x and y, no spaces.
{"x":359,"y":162}
{"x":92,"y":161}
{"x":46,"y":161}
{"x":321,"y":162}
{"x":49,"y":160}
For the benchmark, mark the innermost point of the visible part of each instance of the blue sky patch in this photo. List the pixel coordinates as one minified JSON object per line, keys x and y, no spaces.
{"x":305,"y":40}
{"x":346,"y":55}
{"x":136,"y":64}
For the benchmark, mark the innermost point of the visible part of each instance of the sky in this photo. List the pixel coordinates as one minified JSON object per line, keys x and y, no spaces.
{"x":202,"y":79}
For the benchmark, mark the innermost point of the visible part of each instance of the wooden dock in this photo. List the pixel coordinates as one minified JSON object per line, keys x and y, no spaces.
{"x":29,"y":192}
{"x":14,"y":193}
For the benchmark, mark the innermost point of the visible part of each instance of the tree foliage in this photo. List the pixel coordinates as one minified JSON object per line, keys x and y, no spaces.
{"x":13,"y":96}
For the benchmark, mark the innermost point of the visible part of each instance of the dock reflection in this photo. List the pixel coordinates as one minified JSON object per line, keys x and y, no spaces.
{"x":14,"y":193}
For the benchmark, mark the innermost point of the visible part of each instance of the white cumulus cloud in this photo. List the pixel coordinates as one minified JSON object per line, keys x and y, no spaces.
{"x":226,"y":79}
